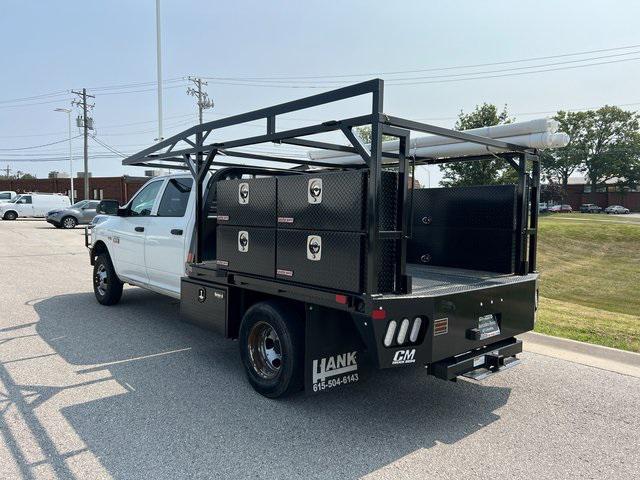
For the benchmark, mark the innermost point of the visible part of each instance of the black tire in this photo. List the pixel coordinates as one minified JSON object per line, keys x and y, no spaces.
{"x":69,"y":222}
{"x":265,"y":376}
{"x":10,"y":216}
{"x":107,"y":288}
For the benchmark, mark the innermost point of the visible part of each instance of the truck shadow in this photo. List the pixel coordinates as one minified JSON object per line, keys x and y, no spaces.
{"x":189,"y":412}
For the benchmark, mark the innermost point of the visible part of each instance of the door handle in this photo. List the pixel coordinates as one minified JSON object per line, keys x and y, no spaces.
{"x":139,"y":229}
{"x":176,"y":231}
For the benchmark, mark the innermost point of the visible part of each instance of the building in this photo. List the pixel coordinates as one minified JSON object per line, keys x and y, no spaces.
{"x":117,"y":188}
{"x":579,"y":192}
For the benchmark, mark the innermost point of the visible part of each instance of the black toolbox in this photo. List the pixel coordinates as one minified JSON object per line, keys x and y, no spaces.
{"x":334,"y":260}
{"x":325,"y":259}
{"x":490,"y":249}
{"x":465,"y":227}
{"x":334,"y":201}
{"x":484,"y":206}
{"x":246,"y":249}
{"x":250,"y":202}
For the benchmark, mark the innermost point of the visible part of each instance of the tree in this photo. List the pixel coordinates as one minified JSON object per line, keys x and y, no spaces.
{"x":365,"y":134}
{"x":483,"y":172}
{"x":558,"y":165}
{"x":610,"y":143}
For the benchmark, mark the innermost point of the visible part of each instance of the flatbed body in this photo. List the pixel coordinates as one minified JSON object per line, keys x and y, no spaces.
{"x":392,"y":312}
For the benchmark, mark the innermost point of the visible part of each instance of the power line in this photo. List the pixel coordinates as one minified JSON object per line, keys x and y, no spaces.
{"x":432,"y":69}
{"x":37,"y":97}
{"x":453,"y":75}
{"x":38,"y":146}
{"x":406,"y":81}
{"x":67,"y":99}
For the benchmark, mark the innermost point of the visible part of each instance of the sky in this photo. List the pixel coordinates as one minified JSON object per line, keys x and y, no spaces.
{"x":109,"y":47}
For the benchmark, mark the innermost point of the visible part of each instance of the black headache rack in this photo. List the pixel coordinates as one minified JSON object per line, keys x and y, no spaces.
{"x":191,"y":152}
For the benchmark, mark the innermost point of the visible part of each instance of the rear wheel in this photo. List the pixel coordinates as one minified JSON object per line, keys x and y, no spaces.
{"x":10,"y":216}
{"x":107,"y":287}
{"x":69,"y":222}
{"x":272,"y":349}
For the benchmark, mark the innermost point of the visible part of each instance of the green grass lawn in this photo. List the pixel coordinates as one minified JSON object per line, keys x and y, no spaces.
{"x":590,"y":279}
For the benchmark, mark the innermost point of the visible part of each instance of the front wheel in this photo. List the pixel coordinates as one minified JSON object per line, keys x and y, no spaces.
{"x":107,"y":287}
{"x":271,"y":341}
{"x":10,"y":216}
{"x":69,"y":222}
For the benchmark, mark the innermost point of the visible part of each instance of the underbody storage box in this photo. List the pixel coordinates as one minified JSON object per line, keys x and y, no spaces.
{"x":250,"y":202}
{"x":246,"y":249}
{"x":333,"y":201}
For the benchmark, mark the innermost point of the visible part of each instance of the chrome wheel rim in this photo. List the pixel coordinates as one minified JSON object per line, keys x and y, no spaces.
{"x":265,"y":351}
{"x":101,"y":280}
{"x":69,"y":223}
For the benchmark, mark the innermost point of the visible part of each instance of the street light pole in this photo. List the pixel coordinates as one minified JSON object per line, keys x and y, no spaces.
{"x":159,"y":62}
{"x":68,"y":112}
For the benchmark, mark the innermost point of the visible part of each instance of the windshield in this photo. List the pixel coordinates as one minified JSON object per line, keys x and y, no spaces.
{"x":15,"y":199}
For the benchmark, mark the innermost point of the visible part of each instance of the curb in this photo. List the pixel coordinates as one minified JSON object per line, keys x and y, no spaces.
{"x":606,"y":358}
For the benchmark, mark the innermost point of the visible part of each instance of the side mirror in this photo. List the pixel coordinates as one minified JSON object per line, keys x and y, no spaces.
{"x":108,"y":207}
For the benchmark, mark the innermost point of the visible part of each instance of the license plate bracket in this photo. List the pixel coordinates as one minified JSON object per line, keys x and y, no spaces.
{"x":488,"y":326}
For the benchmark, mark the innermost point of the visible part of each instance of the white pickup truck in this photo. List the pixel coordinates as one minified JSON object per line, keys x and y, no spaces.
{"x":146,"y":245}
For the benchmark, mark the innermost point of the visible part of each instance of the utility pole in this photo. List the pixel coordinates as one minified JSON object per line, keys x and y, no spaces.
{"x":202,"y":98}
{"x":87,"y":123}
{"x":8,"y":171}
{"x":68,"y":112}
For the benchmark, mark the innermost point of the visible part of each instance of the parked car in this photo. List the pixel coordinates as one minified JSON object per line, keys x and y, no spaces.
{"x":616,"y":209}
{"x":561,"y":208}
{"x":79,"y":213}
{"x":543,"y":208}
{"x":590,"y":208}
{"x":7,"y":195}
{"x":32,"y":205}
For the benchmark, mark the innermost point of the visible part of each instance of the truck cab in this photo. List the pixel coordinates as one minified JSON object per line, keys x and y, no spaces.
{"x":7,"y":195}
{"x":147,"y":239}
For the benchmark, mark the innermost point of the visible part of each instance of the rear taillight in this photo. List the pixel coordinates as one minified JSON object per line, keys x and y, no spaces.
{"x":415,"y":330}
{"x":408,"y":332}
{"x":402,"y":333}
{"x":391,"y":329}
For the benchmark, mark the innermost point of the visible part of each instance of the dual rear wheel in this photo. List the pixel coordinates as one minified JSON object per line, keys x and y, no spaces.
{"x":271,"y":341}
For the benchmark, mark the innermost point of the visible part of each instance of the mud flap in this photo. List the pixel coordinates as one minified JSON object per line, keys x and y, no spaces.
{"x":335,"y":355}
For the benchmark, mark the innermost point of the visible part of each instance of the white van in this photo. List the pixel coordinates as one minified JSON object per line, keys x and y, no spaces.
{"x":32,"y":205}
{"x":7,"y":195}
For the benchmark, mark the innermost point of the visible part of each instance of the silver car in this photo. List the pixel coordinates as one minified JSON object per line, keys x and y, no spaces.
{"x":79,"y":213}
{"x":616,"y":209}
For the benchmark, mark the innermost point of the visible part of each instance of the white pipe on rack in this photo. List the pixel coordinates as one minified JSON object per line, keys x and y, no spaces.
{"x":539,"y":133}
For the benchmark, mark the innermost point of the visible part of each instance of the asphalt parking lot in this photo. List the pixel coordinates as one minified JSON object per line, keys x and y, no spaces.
{"x":129,"y":391}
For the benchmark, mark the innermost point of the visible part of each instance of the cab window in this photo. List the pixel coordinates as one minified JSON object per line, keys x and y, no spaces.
{"x":25,"y":199}
{"x":175,"y":197}
{"x":142,"y":204}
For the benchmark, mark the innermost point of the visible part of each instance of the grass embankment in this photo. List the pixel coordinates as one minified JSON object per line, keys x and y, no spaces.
{"x":590,"y":279}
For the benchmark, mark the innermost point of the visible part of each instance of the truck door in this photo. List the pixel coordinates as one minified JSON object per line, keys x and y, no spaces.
{"x":24,"y":206}
{"x":88,"y":211}
{"x":165,"y":242}
{"x":129,"y":234}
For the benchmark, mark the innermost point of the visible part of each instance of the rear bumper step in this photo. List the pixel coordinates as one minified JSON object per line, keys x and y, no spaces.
{"x":481,"y":363}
